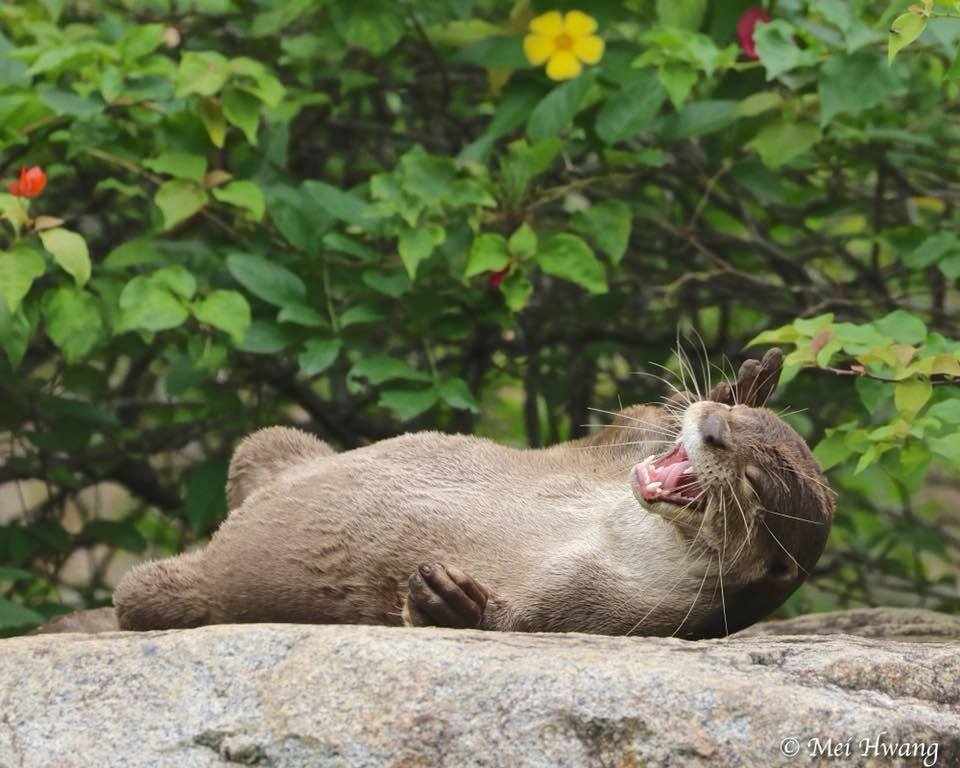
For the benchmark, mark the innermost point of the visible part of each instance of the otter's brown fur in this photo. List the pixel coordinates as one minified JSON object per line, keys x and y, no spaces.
{"x":532,"y":540}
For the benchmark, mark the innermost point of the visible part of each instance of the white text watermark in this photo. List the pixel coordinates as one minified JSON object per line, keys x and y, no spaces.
{"x":879,"y":746}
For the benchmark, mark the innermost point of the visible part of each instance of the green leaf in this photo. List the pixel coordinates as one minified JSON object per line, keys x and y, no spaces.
{"x":678,"y":80}
{"x":697,"y":119}
{"x":180,"y":165}
{"x":946,"y":410}
{"x":361,"y":313}
{"x":608,"y":224}
{"x":523,"y":242}
{"x":178,"y":279}
{"x":147,"y":305}
{"x":558,"y":108}
{"x":267,"y":338}
{"x":376,"y":25}
{"x":408,"y":403}
{"x":69,"y":250}
{"x":271,"y":282}
{"x":212,"y":117}
{"x":516,"y":289}
{"x":758,"y":103}
{"x":950,"y":267}
{"x":488,"y":253}
{"x":201,"y":72}
{"x":632,"y":110}
{"x":851,"y":84}
{"x":226,"y":310}
{"x":911,"y":395}
{"x":456,"y":393}
{"x":242,"y":110}
{"x":318,"y":355}
{"x":15,"y":331}
{"x":243,"y":194}
{"x":16,"y":615}
{"x":948,"y":447}
{"x":73,"y":321}
{"x":178,"y":200}
{"x":301,"y":315}
{"x":901,"y":326}
{"x":569,"y":257}
{"x":428,"y":177}
{"x":206,"y":502}
{"x":69,"y":103}
{"x":8,"y":573}
{"x":832,"y":450}
{"x":932,"y":250}
{"x":119,"y":534}
{"x":777,"y":49}
{"x":338,"y":204}
{"x":781,"y":142}
{"x":415,"y":246}
{"x":906,"y":28}
{"x":393,"y":284}
{"x":686,"y":14}
{"x":380,"y":368}
{"x":18,"y":269}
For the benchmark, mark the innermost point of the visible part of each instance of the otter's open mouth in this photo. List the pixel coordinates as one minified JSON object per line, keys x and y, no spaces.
{"x":668,"y":477}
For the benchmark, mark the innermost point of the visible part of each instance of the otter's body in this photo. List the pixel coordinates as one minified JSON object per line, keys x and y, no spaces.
{"x":335,"y":537}
{"x":695,"y":519}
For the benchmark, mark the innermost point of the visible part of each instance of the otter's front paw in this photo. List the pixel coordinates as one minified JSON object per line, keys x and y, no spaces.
{"x":443,"y":596}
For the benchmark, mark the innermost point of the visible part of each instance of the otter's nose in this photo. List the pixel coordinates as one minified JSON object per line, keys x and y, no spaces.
{"x":714,"y":430}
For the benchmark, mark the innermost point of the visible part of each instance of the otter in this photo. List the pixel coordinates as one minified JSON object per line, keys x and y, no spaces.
{"x":693,"y":519}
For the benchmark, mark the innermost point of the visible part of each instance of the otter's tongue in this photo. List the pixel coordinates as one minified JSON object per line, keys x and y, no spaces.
{"x":669,"y":477}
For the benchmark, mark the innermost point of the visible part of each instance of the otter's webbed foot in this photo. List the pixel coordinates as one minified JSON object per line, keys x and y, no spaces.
{"x":443,"y":596}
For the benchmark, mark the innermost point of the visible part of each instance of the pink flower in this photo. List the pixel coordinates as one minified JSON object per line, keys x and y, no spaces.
{"x":495,"y":279}
{"x":746,"y":26}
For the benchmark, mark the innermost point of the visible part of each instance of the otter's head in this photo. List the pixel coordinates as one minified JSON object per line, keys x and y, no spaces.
{"x":741,"y":482}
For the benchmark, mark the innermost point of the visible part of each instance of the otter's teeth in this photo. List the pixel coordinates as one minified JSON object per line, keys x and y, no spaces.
{"x":654,"y":487}
{"x":688,"y":471}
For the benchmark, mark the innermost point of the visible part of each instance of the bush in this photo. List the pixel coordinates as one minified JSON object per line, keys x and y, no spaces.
{"x":373,"y":216}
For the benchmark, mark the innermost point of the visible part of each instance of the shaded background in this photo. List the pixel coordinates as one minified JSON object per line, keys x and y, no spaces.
{"x":372,"y":217}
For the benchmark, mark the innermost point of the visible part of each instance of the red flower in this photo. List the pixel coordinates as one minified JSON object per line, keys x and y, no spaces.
{"x":31,"y":182}
{"x":746,"y":26}
{"x":496,"y":278}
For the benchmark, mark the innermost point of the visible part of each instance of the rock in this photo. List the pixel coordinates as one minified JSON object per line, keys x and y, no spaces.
{"x":292,"y":695}
{"x":913,"y":624}
{"x":92,"y":621}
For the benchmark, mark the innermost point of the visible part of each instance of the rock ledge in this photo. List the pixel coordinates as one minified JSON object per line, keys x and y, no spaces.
{"x":291,"y":695}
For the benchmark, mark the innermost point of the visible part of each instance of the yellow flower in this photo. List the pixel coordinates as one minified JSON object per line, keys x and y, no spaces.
{"x":563,"y":41}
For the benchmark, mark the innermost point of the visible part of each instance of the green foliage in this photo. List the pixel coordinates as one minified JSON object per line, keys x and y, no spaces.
{"x":370,"y":217}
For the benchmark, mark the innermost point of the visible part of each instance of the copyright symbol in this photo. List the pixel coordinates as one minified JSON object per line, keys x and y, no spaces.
{"x":790,"y":747}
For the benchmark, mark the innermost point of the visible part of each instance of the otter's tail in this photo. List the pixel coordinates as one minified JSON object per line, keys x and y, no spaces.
{"x":266,"y":453}
{"x":164,"y":594}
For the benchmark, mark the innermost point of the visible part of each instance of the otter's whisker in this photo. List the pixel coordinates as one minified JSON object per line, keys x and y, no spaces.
{"x":660,"y":601}
{"x":620,"y":445}
{"x":806,"y":572}
{"x":720,"y":556}
{"x":657,"y":377}
{"x":693,"y":604}
{"x":792,"y":517}
{"x":625,"y":416}
{"x":746,"y":524}
{"x":706,"y":359}
{"x":630,"y":426}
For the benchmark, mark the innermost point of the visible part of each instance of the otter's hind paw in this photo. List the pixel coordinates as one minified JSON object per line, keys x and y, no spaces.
{"x":443,"y":596}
